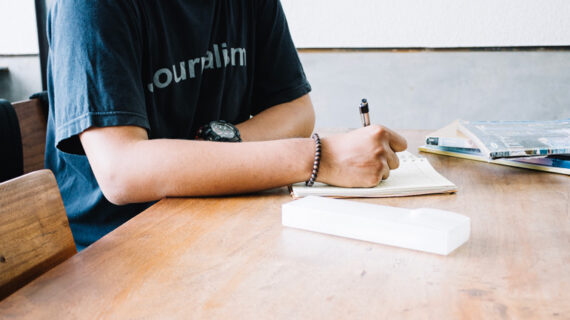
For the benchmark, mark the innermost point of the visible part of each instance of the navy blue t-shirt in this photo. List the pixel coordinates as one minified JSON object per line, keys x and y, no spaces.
{"x":166,"y":66}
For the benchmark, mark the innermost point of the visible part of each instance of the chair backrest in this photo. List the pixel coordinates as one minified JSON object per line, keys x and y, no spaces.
{"x":34,"y":230}
{"x":33,"y":125}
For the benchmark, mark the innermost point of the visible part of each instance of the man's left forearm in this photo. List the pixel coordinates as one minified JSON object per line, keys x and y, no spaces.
{"x":288,"y":120}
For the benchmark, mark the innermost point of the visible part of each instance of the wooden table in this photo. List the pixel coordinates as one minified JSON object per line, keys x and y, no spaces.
{"x":229,"y":257}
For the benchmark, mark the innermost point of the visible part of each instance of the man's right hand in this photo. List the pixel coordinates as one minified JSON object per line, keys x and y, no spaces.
{"x":360,"y":158}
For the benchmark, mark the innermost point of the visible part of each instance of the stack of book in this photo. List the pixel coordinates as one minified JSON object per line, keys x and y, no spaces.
{"x":537,"y":145}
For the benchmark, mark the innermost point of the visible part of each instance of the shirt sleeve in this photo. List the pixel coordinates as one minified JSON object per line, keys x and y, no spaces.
{"x":279,"y":75}
{"x":94,"y":68}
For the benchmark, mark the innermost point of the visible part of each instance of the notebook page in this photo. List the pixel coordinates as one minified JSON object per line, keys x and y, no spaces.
{"x":414,"y":176}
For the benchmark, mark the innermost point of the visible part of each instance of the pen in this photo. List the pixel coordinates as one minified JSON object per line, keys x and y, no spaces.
{"x":364,"y":113}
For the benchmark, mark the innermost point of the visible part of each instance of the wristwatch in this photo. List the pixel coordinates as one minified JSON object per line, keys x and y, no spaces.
{"x":218,"y":130}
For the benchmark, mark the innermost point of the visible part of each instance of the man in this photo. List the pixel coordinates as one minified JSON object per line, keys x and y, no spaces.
{"x":131,"y":82}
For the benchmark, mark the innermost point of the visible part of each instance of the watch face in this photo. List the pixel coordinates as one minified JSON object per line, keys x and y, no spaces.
{"x":224,"y":130}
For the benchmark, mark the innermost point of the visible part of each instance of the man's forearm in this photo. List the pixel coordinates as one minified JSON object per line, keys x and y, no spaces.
{"x":288,"y":120}
{"x":130,"y":169}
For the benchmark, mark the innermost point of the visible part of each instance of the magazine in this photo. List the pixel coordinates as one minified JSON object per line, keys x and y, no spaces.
{"x":554,"y":163}
{"x":512,"y":139}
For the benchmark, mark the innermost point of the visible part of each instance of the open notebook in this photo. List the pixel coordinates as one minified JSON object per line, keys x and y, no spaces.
{"x":415,"y":176}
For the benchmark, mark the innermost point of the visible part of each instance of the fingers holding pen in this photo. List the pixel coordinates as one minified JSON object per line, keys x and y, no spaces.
{"x":395,"y":141}
{"x":363,"y":157}
{"x":360,"y":158}
{"x":388,"y":143}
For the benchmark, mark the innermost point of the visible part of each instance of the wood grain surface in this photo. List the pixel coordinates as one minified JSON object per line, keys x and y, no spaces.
{"x":33,"y":126}
{"x":34,"y":231}
{"x":230,"y":257}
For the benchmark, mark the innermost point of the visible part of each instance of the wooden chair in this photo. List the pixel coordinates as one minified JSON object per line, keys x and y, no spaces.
{"x":23,"y":128}
{"x":32,"y":116}
{"x":34,"y":230}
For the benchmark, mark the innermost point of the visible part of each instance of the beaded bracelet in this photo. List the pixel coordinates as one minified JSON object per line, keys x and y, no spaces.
{"x":317,"y":161}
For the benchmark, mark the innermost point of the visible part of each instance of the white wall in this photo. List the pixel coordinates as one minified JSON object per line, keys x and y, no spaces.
{"x":375,"y":23}
{"x":428,"y":89}
{"x":22,"y":79}
{"x":19,"y":50}
{"x":18,"y":32}
{"x":429,"y":23}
